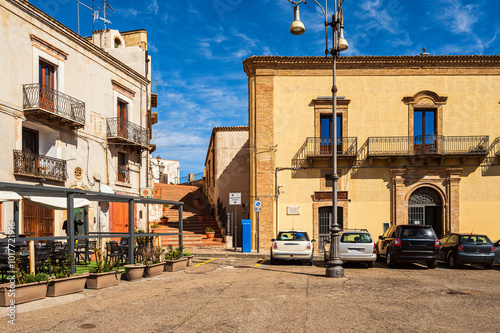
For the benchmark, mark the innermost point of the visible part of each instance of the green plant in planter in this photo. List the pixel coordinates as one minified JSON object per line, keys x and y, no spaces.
{"x":102,"y":265}
{"x":209,"y":229}
{"x":155,"y":225}
{"x":151,"y":256}
{"x":174,"y":254}
{"x":23,"y":277}
{"x":63,"y":269}
{"x":187,"y":253}
{"x":140,"y":240}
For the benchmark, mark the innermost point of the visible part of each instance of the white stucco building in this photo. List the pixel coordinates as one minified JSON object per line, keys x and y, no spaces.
{"x":165,"y":171}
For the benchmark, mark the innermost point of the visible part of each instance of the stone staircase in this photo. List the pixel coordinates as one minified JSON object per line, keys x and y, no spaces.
{"x":197,"y":216}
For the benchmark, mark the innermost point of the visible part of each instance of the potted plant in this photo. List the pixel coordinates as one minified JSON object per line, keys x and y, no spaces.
{"x":164,"y":219}
{"x":189,"y":256}
{"x":209,"y":232}
{"x":104,"y":274}
{"x":24,"y":287}
{"x":154,"y":227}
{"x":152,"y":261}
{"x":64,"y":282}
{"x":174,"y":260}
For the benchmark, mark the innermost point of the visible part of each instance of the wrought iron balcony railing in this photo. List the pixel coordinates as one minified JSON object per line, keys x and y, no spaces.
{"x":322,"y":147}
{"x":123,"y":174}
{"x":54,"y":105}
{"x":427,"y":145}
{"x":40,"y":166}
{"x":121,"y":129}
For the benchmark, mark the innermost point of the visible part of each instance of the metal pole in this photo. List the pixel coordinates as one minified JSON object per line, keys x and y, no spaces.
{"x":235,"y":231}
{"x":334,"y":265}
{"x":131,"y":238}
{"x":16,"y":221}
{"x":258,"y":233}
{"x":70,"y":227}
{"x":181,"y":223}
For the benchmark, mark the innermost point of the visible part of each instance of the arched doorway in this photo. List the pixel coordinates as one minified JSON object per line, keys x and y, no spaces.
{"x":426,"y":208}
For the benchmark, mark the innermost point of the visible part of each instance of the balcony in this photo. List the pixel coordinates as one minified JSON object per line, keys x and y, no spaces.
{"x":123,"y":174}
{"x":125,"y":132}
{"x":425,"y":146}
{"x":39,"y":166}
{"x":321,"y":148}
{"x":50,"y":106}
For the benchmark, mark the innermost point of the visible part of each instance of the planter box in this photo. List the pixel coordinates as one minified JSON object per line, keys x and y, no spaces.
{"x":153,"y":270}
{"x":103,"y":280}
{"x":23,"y":293}
{"x":175,"y":265}
{"x":134,"y":271}
{"x":70,"y":285}
{"x":189,"y":261}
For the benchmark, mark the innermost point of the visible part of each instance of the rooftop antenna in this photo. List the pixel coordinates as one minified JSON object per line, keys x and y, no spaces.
{"x":105,"y":5}
{"x":78,"y":3}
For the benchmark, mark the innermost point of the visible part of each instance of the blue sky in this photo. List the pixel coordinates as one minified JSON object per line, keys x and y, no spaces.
{"x":197,"y":49}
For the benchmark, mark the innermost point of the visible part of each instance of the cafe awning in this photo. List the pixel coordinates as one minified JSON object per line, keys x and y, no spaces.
{"x":56,"y":203}
{"x":9,"y":196}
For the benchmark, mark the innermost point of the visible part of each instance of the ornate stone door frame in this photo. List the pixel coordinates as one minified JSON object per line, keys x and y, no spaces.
{"x":444,"y":181}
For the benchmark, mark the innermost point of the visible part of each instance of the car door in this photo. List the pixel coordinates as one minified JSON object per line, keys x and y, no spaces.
{"x":442,"y":247}
{"x":387,"y":239}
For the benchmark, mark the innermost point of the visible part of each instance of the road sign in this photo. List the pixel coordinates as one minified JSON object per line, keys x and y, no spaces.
{"x":258,"y":206}
{"x":234,"y":199}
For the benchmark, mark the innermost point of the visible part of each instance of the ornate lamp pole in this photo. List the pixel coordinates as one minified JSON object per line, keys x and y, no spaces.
{"x":334,"y":265}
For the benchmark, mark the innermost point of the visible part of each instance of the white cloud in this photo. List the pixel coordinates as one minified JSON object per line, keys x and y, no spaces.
{"x":459,"y":18}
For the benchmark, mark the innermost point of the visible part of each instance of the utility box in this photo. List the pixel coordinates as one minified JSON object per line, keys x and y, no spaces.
{"x":246,"y":236}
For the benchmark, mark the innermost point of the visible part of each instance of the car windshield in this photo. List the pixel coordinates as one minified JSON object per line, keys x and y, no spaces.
{"x":292,"y":235}
{"x":417,"y":233}
{"x":355,"y":237}
{"x":475,"y":239}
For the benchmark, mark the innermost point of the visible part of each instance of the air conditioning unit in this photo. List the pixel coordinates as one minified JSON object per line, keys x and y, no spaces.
{"x":146,"y":192}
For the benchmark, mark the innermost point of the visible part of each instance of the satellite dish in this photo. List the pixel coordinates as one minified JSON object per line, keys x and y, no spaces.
{"x":107,"y":189}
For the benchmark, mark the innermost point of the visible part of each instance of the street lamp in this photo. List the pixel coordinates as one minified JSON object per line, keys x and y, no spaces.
{"x":334,"y":265}
{"x":161,"y":167}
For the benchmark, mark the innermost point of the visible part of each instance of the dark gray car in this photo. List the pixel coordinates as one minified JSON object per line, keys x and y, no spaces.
{"x":467,"y":249}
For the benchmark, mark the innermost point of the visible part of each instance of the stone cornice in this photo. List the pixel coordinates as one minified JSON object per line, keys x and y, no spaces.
{"x":60,"y":28}
{"x":269,"y":64}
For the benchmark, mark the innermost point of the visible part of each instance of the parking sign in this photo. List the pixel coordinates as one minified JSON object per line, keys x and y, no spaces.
{"x":258,"y":206}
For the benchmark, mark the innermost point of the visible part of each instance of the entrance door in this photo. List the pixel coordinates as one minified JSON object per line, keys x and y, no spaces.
{"x":46,"y":78}
{"x":326,"y":134}
{"x":122,"y":119}
{"x":425,"y":208}
{"x":325,"y":222}
{"x":38,"y":221}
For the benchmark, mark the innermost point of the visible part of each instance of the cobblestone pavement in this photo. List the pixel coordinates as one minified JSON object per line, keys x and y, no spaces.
{"x":249,"y":295}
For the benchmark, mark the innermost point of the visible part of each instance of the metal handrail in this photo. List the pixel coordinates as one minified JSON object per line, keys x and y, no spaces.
{"x":323,"y":146}
{"x":39,"y":96}
{"x":121,"y":128}
{"x":35,"y":165}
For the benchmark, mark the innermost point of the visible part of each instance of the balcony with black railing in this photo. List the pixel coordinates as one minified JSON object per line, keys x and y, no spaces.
{"x":321,"y":148}
{"x":48,"y":105}
{"x":39,"y":166}
{"x":427,"y":145}
{"x":123,"y":131}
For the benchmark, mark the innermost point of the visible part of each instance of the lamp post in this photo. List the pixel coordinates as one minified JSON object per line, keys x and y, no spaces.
{"x":334,"y":265}
{"x":161,"y":168}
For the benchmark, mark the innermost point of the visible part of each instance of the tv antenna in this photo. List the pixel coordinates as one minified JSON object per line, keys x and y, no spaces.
{"x":96,"y":14}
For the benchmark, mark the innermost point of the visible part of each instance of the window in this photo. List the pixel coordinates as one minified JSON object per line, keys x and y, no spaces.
{"x":424,"y":130}
{"x":118,"y":43}
{"x":47,"y":78}
{"x":123,"y":169}
{"x":326,"y":132}
{"x":30,"y":141}
{"x":122,"y":113}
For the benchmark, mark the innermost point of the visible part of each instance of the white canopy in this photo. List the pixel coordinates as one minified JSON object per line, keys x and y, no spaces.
{"x":9,"y":196}
{"x":57,"y":203}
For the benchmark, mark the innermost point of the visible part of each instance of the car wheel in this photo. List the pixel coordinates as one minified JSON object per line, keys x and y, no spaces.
{"x":390,"y":260}
{"x":273,"y":261}
{"x":452,"y":261}
{"x":431,"y":264}
{"x":369,"y":264}
{"x":310,"y":262}
{"x":489,"y":266}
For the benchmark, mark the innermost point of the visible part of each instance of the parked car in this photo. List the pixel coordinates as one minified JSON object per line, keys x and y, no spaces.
{"x":355,"y":246}
{"x":467,"y":249}
{"x":409,"y":243}
{"x":497,"y":252}
{"x":292,"y":245}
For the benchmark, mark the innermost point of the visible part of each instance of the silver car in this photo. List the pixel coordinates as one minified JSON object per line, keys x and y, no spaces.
{"x":356,"y":246}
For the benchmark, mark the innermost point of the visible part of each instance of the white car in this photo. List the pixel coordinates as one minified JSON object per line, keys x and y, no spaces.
{"x":355,"y":245}
{"x":292,"y":245}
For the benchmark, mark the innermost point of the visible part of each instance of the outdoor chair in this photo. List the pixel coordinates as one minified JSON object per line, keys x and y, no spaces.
{"x":114,"y":252}
{"x":84,"y":251}
{"x":59,"y":254}
{"x":41,"y":256}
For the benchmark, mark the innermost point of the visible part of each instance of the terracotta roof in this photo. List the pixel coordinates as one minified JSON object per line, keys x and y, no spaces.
{"x":230,"y":129}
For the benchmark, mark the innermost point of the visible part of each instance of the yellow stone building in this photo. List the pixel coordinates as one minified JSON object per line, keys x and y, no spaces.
{"x":418,"y":143}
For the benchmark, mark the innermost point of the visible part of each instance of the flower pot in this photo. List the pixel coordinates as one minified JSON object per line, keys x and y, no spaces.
{"x":154,"y":269}
{"x":164,"y":221}
{"x":22,"y":293}
{"x":175,"y":265}
{"x":154,"y":230}
{"x":210,"y":234}
{"x":189,"y":262}
{"x":103,"y":280}
{"x":134,"y":271}
{"x":65,"y":286}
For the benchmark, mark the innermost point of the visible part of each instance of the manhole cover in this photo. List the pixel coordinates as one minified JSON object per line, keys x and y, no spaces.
{"x":87,"y":326}
{"x":459,"y":292}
